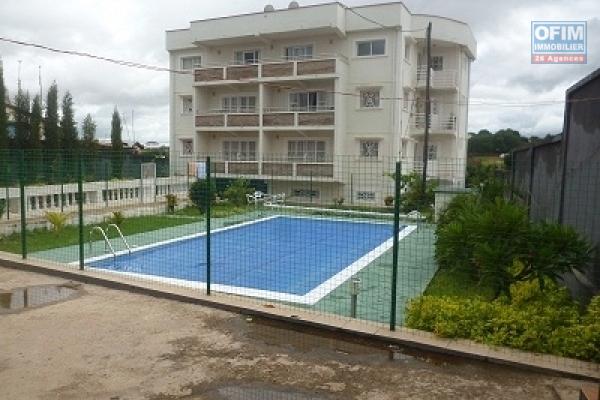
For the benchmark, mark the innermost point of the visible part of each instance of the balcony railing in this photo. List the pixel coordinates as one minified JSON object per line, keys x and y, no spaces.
{"x":299,"y":117}
{"x":219,"y":119}
{"x":437,"y":123}
{"x":444,"y":79}
{"x":266,"y":69}
{"x":272,"y":168}
{"x":323,"y":116}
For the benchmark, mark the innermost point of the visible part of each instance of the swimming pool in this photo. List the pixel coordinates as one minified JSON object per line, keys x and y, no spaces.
{"x":287,"y":258}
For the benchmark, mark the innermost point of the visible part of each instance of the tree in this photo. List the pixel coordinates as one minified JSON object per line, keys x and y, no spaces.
{"x":51,"y":132}
{"x":116,"y":132}
{"x":35,"y":144}
{"x":68,"y":131}
{"x":88,"y":128}
{"x":52,"y":139}
{"x":68,"y":127}
{"x":3,"y":116}
{"x":22,"y":124}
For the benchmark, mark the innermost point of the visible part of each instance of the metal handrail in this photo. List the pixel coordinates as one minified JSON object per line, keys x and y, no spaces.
{"x":106,"y":241}
{"x":121,"y":235}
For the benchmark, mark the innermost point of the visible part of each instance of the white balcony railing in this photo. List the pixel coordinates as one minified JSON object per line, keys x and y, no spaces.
{"x":443,"y":79}
{"x":437,"y":123}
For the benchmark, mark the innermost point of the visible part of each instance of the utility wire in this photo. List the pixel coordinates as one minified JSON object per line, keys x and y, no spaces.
{"x":96,"y":57}
{"x":352,"y":10}
{"x":132,"y":64}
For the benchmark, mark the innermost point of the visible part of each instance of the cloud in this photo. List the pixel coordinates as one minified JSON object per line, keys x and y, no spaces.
{"x":135,"y":30}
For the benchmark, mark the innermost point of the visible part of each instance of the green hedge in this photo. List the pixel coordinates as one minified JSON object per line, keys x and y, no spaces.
{"x":530,"y":319}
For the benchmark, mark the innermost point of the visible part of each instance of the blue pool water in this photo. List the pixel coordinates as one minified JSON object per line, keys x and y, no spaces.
{"x":282,"y":254}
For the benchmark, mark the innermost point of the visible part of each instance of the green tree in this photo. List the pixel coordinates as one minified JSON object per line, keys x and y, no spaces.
{"x":4,"y":164}
{"x":3,"y":116}
{"x":88,"y":128}
{"x":116,"y":132}
{"x":52,"y":141}
{"x":36,"y":122}
{"x":68,"y":127}
{"x":22,"y":125}
{"x":68,"y":131}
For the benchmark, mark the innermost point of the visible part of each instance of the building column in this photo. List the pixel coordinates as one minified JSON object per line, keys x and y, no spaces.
{"x":261,"y":136}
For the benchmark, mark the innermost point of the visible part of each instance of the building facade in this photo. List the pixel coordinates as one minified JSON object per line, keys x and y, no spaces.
{"x":319,"y":91}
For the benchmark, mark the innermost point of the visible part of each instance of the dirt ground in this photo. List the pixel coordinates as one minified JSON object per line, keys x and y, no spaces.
{"x":115,"y":345}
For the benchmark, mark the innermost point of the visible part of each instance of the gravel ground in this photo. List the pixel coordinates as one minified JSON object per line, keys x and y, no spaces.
{"x":115,"y":345}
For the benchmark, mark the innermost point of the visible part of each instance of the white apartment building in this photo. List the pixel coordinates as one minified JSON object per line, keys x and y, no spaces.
{"x":316,"y":92}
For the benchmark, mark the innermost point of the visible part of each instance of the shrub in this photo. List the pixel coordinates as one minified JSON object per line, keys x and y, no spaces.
{"x":534,"y":320}
{"x":413,"y":197}
{"x":57,"y":220}
{"x":388,"y":201}
{"x":171,"y":203}
{"x":338,"y":201}
{"x":497,"y":245}
{"x":199,"y":193}
{"x":117,"y":218}
{"x":237,"y":191}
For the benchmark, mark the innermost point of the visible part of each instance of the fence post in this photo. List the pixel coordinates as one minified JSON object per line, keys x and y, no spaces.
{"x":398,"y":177}
{"x":208,"y":198}
{"x":80,"y":211}
{"x":22,"y":197}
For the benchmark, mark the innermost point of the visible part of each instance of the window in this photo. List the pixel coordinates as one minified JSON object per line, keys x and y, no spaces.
{"x":437,"y":63}
{"x":369,"y":98}
{"x":187,"y":147}
{"x":306,"y":150}
{"x":239,"y":104}
{"x":298,"y":52}
{"x":187,"y":107}
{"x":239,"y":150}
{"x":369,"y":148}
{"x":370,"y":48}
{"x":310,"y":101}
{"x":191,"y":62}
{"x":365,"y":195}
{"x":432,"y":152}
{"x":247,"y":57}
{"x":407,"y":49}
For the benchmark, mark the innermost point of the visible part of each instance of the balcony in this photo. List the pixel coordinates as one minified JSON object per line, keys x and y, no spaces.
{"x":272,"y":169}
{"x":220,"y":119}
{"x":438,"y":124}
{"x":319,"y":117}
{"x":266,"y":70}
{"x":444,"y":79}
{"x":272,"y":119}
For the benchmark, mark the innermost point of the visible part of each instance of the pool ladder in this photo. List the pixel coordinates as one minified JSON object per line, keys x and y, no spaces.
{"x":107,"y":244}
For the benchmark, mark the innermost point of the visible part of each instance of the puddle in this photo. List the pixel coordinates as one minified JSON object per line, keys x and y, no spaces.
{"x":259,"y":392}
{"x":20,"y":299}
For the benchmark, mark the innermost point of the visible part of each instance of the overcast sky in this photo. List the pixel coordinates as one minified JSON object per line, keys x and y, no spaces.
{"x":135,"y":30}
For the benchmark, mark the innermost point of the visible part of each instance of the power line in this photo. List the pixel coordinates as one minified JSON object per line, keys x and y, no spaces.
{"x":132,"y":64}
{"x":352,"y":10}
{"x":96,"y":57}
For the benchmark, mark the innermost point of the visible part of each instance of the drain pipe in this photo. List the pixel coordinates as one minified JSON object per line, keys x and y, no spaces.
{"x":354,"y":290}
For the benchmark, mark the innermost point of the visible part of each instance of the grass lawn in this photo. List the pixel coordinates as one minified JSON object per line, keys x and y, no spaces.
{"x":43,"y":239}
{"x":448,"y":282}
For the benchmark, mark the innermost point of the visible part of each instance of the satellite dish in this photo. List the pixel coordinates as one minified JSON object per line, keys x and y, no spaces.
{"x":293,"y":4}
{"x":269,"y":8}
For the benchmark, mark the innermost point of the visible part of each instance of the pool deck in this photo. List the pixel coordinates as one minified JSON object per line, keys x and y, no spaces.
{"x":313,"y":318}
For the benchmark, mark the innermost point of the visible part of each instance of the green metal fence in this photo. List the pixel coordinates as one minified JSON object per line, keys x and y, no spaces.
{"x":354,"y":252}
